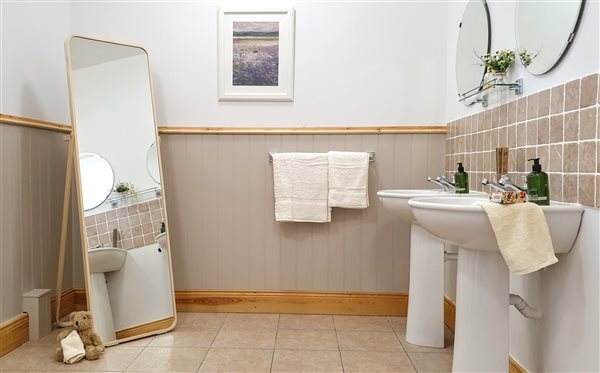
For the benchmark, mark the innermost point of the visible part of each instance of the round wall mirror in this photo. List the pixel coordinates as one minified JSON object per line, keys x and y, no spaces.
{"x":544,"y":30}
{"x":152,"y":163}
{"x":473,"y":40}
{"x":97,"y":179}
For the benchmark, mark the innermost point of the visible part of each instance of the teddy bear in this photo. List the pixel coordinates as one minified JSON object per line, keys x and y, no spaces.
{"x":82,"y":323}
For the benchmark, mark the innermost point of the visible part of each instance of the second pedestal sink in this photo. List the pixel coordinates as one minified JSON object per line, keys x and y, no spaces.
{"x":425,"y":321}
{"x":101,"y":260}
{"x":482,"y":296}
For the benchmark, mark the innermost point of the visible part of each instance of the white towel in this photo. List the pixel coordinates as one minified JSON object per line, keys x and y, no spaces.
{"x":522,"y":234}
{"x":72,"y":347}
{"x":300,"y":184}
{"x":348,"y":179}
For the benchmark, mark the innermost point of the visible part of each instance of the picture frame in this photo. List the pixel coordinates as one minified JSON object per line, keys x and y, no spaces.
{"x":256,"y":55}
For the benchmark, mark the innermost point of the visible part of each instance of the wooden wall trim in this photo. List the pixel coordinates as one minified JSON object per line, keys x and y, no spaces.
{"x":337,"y":303}
{"x":514,"y":367}
{"x":300,"y":130}
{"x":191,"y":130}
{"x":14,"y":333}
{"x":71,"y":300}
{"x":34,"y":123}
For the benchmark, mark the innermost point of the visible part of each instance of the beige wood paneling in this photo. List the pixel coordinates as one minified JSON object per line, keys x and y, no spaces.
{"x":32,"y":174}
{"x":224,"y":235}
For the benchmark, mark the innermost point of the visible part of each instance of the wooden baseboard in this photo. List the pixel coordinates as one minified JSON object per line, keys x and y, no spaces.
{"x":145,"y":328}
{"x":514,"y":367}
{"x":338,"y":303}
{"x":449,"y":313}
{"x":71,"y":300}
{"x":14,"y":333}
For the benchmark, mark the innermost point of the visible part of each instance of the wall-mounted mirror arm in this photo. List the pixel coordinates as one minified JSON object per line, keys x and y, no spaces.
{"x":482,"y":98}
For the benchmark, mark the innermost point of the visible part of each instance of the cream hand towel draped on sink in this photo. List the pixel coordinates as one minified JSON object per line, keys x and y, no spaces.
{"x":300,"y":185}
{"x":522,"y":234}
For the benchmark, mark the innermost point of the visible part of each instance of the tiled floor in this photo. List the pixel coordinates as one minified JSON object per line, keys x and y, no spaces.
{"x":255,"y":343}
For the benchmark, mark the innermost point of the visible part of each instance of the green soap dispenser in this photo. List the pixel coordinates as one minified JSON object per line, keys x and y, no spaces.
{"x":538,"y":191}
{"x":461,"y":180}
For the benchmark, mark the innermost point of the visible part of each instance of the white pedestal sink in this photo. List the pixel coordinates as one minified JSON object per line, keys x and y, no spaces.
{"x":425,"y":322}
{"x":101,"y":260}
{"x":482,"y":298}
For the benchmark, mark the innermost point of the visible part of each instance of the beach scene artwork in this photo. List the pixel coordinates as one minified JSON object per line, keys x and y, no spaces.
{"x":256,"y":54}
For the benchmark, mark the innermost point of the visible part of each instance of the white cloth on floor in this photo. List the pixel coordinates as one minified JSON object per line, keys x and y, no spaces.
{"x":300,"y":185}
{"x":72,"y":347}
{"x":348,"y":179}
{"x":522,"y":235}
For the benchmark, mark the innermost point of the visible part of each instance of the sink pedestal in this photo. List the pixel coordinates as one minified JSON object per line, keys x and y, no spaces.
{"x":425,"y":321}
{"x":104,"y":325}
{"x":482,"y":297}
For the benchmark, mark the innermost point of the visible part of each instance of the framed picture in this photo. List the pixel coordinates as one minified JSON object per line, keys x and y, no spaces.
{"x":256,"y":55}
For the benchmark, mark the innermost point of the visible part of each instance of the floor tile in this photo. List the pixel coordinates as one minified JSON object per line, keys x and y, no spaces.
{"x":31,"y":357}
{"x":365,"y":323}
{"x":397,"y":323}
{"x":306,"y":361}
{"x":431,"y":362}
{"x":250,"y":321}
{"x":376,"y":361}
{"x":185,"y":338}
{"x":164,"y":359}
{"x":116,"y":358}
{"x":258,"y":339}
{"x":313,"y":322}
{"x":142,"y":342}
{"x":448,"y":342}
{"x":234,"y":360}
{"x":291,"y":339}
{"x":49,"y":339}
{"x":200,"y":320}
{"x":368,"y":341}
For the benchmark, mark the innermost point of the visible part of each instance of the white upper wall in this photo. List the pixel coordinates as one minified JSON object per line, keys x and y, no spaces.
{"x":357,"y":63}
{"x":581,"y":59}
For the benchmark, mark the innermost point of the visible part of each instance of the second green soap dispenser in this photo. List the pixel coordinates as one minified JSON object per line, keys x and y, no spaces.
{"x":461,"y":180}
{"x":538,"y":191}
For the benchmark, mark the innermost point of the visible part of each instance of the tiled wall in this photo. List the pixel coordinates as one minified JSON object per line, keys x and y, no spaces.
{"x":137,"y":224}
{"x":558,"y":125}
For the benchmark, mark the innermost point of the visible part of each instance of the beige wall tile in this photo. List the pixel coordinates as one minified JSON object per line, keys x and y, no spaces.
{"x":502,"y":115}
{"x":503,"y":137}
{"x":572,"y":95}
{"x":532,"y":136}
{"x":556,"y":158}
{"x":495,"y":115}
{"x":587,"y":192}
{"x":543,"y":153}
{"x":544,"y":103}
{"x":587,"y":156}
{"x":587,"y":124}
{"x":571,"y":131}
{"x":543,"y":131}
{"x":557,"y":99}
{"x":522,"y":134}
{"x":597,"y":191}
{"x":532,"y":106}
{"x":521,"y":160}
{"x":556,"y":128}
{"x":570,"y":188}
{"x":589,"y":90}
{"x":89,"y":220}
{"x":571,"y":155}
{"x":511,"y":112}
{"x":522,"y":109}
{"x":556,"y":187}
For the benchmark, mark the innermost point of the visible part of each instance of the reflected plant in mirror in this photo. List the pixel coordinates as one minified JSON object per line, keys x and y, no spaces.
{"x":129,"y":282}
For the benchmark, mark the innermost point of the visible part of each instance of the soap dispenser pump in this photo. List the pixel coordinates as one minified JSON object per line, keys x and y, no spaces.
{"x":461,"y":180}
{"x":538,"y":190}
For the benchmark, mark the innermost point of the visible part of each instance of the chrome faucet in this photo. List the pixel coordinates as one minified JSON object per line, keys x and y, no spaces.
{"x":432,"y":180}
{"x":498,"y":187}
{"x":449,"y":186}
{"x":505,"y":181}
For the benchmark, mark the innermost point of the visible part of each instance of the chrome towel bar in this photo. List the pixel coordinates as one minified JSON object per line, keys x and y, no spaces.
{"x":371,"y":156}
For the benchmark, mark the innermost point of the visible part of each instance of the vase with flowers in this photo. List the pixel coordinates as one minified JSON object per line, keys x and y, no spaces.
{"x":497,"y":65}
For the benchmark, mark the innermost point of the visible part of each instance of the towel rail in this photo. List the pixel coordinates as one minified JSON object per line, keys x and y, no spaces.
{"x":371,"y":156}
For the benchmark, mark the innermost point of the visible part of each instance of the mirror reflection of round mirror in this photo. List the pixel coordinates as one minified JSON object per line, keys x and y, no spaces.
{"x":544,"y":29}
{"x":473,"y":40}
{"x":152,"y":163}
{"x":97,"y":179}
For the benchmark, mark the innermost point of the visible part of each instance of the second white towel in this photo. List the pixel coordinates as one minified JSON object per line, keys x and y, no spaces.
{"x":348,"y":179}
{"x":300,"y":183}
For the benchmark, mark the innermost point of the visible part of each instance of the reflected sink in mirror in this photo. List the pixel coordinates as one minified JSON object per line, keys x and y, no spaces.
{"x":396,"y":200}
{"x":106,"y":259}
{"x":462,"y":222}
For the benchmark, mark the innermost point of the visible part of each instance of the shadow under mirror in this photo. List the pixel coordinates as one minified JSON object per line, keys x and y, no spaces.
{"x":129,"y":281}
{"x":474,"y":37}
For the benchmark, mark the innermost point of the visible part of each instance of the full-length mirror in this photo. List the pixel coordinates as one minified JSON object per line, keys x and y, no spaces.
{"x":473,"y":40}
{"x":129,"y":278}
{"x":544,"y":30}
